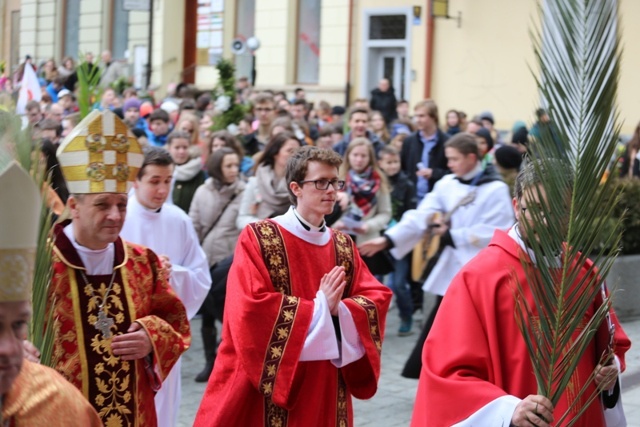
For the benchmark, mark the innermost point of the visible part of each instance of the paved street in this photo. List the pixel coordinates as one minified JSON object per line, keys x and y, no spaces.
{"x":393,"y":404}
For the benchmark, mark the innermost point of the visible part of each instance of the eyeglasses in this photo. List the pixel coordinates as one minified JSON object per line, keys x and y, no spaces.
{"x":263,"y":110}
{"x":323,"y":184}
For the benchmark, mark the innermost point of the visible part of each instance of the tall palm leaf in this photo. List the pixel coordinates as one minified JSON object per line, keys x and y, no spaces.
{"x":16,"y":144}
{"x":88,"y":86}
{"x":578,"y":56}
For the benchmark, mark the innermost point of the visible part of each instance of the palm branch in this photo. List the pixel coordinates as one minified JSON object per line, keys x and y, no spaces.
{"x":16,"y":144}
{"x":88,"y":86}
{"x":578,"y":56}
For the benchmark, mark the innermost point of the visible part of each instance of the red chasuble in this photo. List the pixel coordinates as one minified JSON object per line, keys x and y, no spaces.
{"x":475,"y":352}
{"x":122,"y":392}
{"x":258,"y":379}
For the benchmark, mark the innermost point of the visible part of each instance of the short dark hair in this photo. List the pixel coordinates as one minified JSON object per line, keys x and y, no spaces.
{"x":301,"y":102}
{"x":464,"y":142}
{"x":263,"y":98}
{"x":273,"y":148}
{"x":178,"y":134}
{"x":360,"y":111}
{"x":297,"y":164}
{"x":159,"y":114}
{"x":214,"y":163}
{"x":298,"y":90}
{"x":389,"y":151}
{"x":154,"y":156}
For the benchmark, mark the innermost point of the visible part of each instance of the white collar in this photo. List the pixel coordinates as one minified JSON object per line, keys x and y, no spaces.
{"x":514,"y":233}
{"x":312,"y":227}
{"x":290,"y":222}
{"x":472,"y":174}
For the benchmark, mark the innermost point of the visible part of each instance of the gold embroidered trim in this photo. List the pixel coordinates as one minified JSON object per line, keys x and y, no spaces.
{"x":342,"y":412}
{"x":344,"y":256}
{"x":372,"y":316}
{"x":274,"y":254}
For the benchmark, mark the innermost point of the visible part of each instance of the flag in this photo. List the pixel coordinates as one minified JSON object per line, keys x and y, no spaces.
{"x":29,"y":89}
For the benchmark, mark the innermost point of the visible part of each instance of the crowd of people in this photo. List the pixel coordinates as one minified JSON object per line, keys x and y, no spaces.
{"x":376,"y":171}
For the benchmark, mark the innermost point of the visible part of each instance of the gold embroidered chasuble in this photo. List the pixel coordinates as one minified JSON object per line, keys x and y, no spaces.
{"x":258,"y":378}
{"x":42,"y":397}
{"x":122,"y":392}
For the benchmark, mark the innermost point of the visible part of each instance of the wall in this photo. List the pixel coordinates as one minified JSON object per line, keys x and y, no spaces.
{"x":37,"y":29}
{"x":628,"y":93}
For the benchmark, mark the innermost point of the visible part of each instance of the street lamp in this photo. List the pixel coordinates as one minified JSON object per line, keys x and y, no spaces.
{"x":253,"y":44}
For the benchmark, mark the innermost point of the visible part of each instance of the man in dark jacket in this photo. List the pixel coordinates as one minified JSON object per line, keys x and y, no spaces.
{"x":422,"y":153}
{"x":384,"y":100}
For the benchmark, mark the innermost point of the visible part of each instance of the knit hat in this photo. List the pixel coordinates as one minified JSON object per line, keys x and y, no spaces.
{"x":487,"y":115}
{"x":508,"y":157}
{"x":100,"y":155}
{"x":520,"y":136}
{"x":131,"y":103}
{"x":486,"y":135}
{"x":20,"y":206}
{"x":146,"y":108}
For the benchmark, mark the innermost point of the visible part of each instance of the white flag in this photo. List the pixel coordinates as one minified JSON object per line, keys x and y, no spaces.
{"x":29,"y":89}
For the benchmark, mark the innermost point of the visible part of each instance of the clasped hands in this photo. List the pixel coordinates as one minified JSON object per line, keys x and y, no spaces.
{"x":332,"y":286}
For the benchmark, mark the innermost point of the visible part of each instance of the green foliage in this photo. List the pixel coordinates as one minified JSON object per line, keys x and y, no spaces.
{"x":16,"y":144}
{"x":578,"y":60}
{"x":121,"y":84}
{"x":629,"y":210}
{"x":88,"y":86}
{"x":227,"y":88}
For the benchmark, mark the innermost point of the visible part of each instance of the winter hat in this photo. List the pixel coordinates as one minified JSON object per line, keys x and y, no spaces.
{"x":146,"y":108}
{"x":131,"y":103}
{"x":508,"y":157}
{"x":487,"y":115}
{"x":486,"y":135}
{"x":520,"y":136}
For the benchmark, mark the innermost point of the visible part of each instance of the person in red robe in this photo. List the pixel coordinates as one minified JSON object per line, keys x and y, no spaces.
{"x":476,"y":367}
{"x":118,"y":327}
{"x":304,"y":317}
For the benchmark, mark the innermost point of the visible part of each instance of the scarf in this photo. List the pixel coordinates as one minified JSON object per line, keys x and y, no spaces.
{"x":273,"y":193}
{"x":363,"y":188}
{"x":187,"y":171}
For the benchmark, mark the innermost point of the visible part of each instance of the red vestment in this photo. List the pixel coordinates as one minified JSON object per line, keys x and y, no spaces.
{"x":475,"y":352}
{"x":122,"y":392}
{"x":258,"y":379}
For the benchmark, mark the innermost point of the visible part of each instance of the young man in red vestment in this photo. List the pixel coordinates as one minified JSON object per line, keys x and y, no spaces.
{"x":476,"y":368}
{"x":118,"y":326}
{"x":304,"y":317}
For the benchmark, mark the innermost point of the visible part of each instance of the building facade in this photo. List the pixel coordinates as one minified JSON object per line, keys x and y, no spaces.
{"x":337,"y":50}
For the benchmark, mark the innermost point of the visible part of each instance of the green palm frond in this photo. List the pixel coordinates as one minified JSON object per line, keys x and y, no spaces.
{"x":88,"y":86}
{"x":578,"y":55}
{"x":16,"y":144}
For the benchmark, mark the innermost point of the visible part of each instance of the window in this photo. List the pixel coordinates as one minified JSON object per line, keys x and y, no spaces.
{"x":245,"y":28}
{"x":120,"y":30}
{"x":71,"y":28}
{"x":308,"y":58}
{"x":388,"y":27}
{"x":15,"y":41}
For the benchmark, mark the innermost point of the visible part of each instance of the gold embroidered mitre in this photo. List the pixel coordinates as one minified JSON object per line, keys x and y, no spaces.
{"x":20,"y":206}
{"x":100,"y":155}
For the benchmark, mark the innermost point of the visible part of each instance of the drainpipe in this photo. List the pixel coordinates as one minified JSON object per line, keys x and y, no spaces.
{"x":347,"y":98}
{"x":429,"y":56}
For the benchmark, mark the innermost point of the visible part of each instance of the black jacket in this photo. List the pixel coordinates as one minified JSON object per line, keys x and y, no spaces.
{"x":385,"y":102}
{"x":403,"y":195}
{"x":411,"y":155}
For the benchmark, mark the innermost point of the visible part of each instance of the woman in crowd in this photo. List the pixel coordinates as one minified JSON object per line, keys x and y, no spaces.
{"x":369,"y":208}
{"x":631,"y":157}
{"x":223,"y":138}
{"x":67,"y":67}
{"x":379,"y":127}
{"x":453,"y":122}
{"x":267,"y":194}
{"x":206,"y":122}
{"x":188,"y":174}
{"x":214,"y":210}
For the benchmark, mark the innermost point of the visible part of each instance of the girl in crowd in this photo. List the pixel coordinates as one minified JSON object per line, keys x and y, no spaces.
{"x":379,"y":127}
{"x":67,"y":67}
{"x":188,"y":174}
{"x":214,"y":210}
{"x":369,"y":208}
{"x":453,"y":122}
{"x":267,"y":194}
{"x":223,"y":138}
{"x":206,"y":122}
{"x":189,"y":123}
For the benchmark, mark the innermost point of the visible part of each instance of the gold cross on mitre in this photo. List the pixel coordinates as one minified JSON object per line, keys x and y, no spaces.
{"x":20,"y":206}
{"x":100,"y":155}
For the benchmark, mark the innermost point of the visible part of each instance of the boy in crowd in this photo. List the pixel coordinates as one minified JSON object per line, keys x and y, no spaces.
{"x":159,"y":128}
{"x":403,"y":198}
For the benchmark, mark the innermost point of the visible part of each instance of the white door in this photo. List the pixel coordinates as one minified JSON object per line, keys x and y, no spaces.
{"x":391,"y":65}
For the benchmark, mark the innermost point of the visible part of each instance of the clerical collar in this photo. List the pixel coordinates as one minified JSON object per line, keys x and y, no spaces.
{"x":468,"y":178}
{"x":146,"y":209}
{"x":514,"y":233}
{"x":307,"y":225}
{"x":96,"y":261}
{"x":294,"y":224}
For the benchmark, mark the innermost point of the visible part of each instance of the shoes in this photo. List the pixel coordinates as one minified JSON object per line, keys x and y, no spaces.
{"x":405,"y":327}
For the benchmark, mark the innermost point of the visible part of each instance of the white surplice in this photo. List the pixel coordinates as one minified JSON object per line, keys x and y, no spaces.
{"x":169,"y":231}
